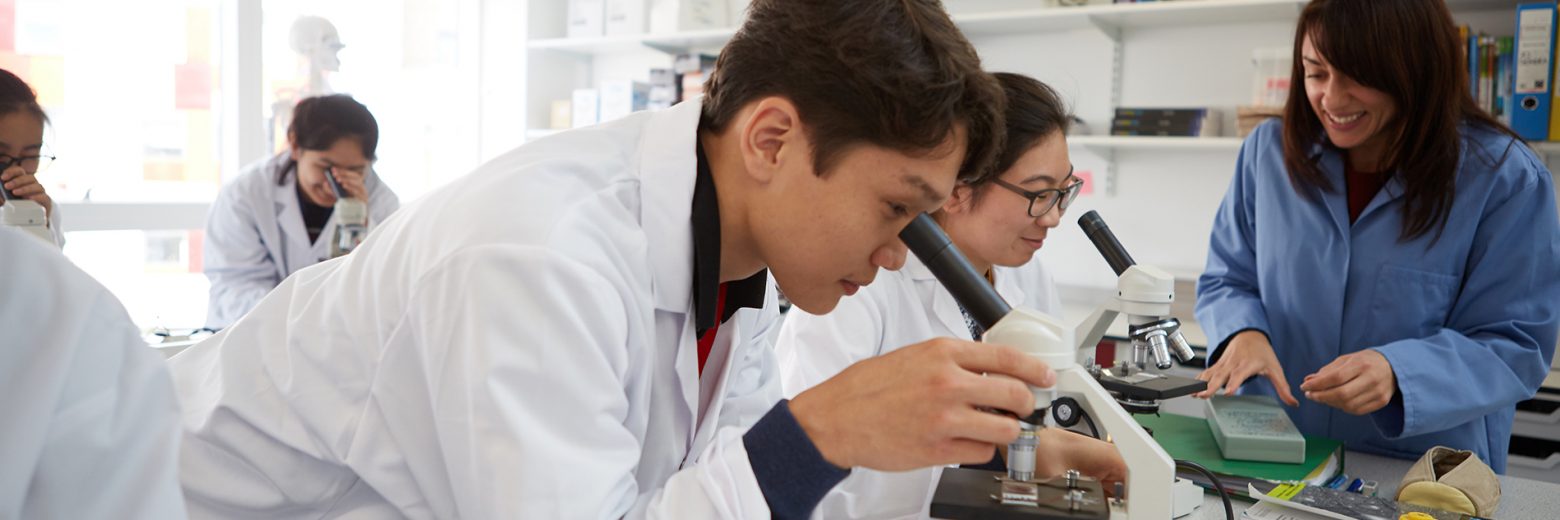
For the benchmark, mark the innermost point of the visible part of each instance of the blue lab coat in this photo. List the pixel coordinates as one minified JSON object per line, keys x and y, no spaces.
{"x":1467,"y":322}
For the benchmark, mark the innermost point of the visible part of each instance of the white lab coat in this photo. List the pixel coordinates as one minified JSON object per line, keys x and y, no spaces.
{"x":899,"y":309}
{"x":255,"y":236}
{"x":517,"y":344}
{"x":90,"y":426}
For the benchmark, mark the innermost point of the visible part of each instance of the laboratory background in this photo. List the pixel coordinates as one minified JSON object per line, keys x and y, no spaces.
{"x":155,"y":109}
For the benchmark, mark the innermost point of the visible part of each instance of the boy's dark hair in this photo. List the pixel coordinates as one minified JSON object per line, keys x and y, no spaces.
{"x":891,"y":73}
{"x":16,"y":96}
{"x":1034,"y":111}
{"x":318,"y":122}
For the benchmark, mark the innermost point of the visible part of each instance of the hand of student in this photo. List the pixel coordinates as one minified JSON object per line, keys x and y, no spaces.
{"x":352,"y":182}
{"x":917,"y":406}
{"x":26,"y":185}
{"x":1060,"y":450}
{"x":1358,"y":383}
{"x":1248,"y":354}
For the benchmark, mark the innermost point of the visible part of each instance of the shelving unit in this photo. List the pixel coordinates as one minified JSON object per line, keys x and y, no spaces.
{"x":1110,"y":20}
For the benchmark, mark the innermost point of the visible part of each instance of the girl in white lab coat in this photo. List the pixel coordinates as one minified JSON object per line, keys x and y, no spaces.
{"x":21,"y":147}
{"x":276,"y":217}
{"x":998,"y":224}
{"x":91,"y":422}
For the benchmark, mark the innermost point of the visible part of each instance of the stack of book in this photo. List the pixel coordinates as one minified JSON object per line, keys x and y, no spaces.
{"x":1166,"y":122}
{"x":1491,"y":72}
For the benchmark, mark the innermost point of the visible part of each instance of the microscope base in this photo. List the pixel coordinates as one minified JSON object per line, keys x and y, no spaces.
{"x":968,"y":493}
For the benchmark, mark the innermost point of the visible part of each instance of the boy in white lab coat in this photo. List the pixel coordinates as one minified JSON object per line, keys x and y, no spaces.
{"x":577,"y":329}
{"x":91,"y":424}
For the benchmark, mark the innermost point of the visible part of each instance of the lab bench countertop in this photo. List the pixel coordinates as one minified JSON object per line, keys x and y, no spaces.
{"x":1520,"y":498}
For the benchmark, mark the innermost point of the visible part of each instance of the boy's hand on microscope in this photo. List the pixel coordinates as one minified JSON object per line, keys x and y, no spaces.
{"x":1248,"y":354}
{"x":920,"y":406}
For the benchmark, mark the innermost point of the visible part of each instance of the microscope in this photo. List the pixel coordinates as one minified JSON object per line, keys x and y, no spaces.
{"x":351,"y":219}
{"x":968,"y":493}
{"x":1144,"y":293}
{"x":26,"y":216}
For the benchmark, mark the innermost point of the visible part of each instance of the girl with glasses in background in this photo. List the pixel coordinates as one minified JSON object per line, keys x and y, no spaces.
{"x":21,"y":148}
{"x":999,"y":225}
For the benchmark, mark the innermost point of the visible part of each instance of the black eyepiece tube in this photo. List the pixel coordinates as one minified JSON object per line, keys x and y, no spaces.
{"x":1105,"y":241}
{"x":928,"y":242}
{"x":335,"y":185}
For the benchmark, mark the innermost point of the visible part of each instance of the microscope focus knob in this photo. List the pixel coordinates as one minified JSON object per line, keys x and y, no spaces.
{"x":1065,"y":411}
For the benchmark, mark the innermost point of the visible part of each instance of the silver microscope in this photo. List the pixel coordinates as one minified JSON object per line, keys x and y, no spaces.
{"x":26,"y":216}
{"x":1081,"y":390}
{"x":351,"y":219}
{"x":1144,"y":293}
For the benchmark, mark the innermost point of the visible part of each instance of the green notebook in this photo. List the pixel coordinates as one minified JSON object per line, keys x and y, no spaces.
{"x":1188,"y":438}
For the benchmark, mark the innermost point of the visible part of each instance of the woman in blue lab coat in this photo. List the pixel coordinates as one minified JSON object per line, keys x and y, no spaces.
{"x":1387,"y":258}
{"x":276,"y":217}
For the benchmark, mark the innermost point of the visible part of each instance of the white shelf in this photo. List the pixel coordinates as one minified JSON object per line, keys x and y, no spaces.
{"x":1123,"y":16}
{"x":1485,"y":5}
{"x":671,"y":43}
{"x":1190,"y":144}
{"x":1546,"y":147}
{"x":1020,"y":21}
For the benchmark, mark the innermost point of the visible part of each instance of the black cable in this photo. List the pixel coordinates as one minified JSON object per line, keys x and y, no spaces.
{"x":1093,"y":432}
{"x":1229,"y":511}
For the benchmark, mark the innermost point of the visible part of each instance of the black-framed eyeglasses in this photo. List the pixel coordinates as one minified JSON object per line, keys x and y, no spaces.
{"x":29,"y":163}
{"x":1041,"y":201}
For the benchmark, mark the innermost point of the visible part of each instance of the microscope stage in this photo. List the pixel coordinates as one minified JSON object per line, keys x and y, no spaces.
{"x":1152,"y":386}
{"x":968,"y":493}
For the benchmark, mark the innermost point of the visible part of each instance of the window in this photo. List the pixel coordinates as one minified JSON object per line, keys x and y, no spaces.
{"x":407,"y":60}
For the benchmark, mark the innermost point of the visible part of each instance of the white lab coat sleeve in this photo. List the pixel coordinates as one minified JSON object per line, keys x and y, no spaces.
{"x":1228,"y":300}
{"x":240,"y":268}
{"x":382,"y":201}
{"x":814,"y":348}
{"x":113,"y":442}
{"x":1499,"y":338}
{"x":54,"y":226}
{"x":528,"y":356}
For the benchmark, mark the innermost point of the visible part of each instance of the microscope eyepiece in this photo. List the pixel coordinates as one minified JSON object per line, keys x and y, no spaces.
{"x":930,"y":244}
{"x":1105,"y":241}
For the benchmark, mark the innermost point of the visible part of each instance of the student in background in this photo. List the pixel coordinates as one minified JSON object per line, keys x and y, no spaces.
{"x":1387,"y":247}
{"x":999,"y":222}
{"x":276,"y":217}
{"x":21,"y":147}
{"x":91,"y":422}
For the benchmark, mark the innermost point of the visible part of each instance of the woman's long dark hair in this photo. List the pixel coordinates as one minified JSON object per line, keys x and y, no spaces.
{"x":1410,"y":50}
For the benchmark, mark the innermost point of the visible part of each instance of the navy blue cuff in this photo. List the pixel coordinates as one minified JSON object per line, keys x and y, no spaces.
{"x":791,"y":471}
{"x":995,"y":464}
